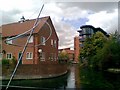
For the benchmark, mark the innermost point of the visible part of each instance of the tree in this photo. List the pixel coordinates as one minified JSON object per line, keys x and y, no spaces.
{"x":63,"y":57}
{"x":92,"y":45}
{"x":109,"y":55}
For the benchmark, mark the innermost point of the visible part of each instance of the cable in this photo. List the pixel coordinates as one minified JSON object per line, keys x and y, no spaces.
{"x":31,"y":32}
{"x":28,"y":34}
{"x":12,"y":38}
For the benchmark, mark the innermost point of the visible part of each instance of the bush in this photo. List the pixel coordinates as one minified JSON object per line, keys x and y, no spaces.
{"x":108,"y":56}
{"x":5,"y":62}
{"x":13,"y":61}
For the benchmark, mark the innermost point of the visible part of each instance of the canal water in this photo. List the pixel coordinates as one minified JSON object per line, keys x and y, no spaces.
{"x":64,"y":82}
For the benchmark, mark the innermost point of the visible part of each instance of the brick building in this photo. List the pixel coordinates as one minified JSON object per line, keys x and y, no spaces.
{"x":69,"y":52}
{"x":76,"y":49}
{"x":45,"y":52}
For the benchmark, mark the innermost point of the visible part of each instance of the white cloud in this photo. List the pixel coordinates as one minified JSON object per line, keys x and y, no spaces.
{"x":65,"y":33}
{"x":105,"y":20}
{"x":16,"y":4}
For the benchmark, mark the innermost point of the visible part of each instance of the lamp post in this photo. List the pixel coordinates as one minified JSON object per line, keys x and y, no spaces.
{"x":40,"y":53}
{"x":40,"y":50}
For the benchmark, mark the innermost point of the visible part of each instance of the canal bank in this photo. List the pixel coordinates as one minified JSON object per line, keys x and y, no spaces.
{"x":63,"y":82}
{"x":40,"y":71}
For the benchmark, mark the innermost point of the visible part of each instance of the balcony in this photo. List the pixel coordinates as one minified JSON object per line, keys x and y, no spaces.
{"x":82,"y":39}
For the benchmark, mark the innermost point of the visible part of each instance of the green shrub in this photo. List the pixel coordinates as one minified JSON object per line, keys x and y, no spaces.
{"x":14,"y":61}
{"x":5,"y":62}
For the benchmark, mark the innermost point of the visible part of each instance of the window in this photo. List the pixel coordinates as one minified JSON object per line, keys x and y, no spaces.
{"x":9,"y":42}
{"x":31,"y":39}
{"x":43,"y":40}
{"x":42,"y":56}
{"x":84,"y":36}
{"x":9,"y":56}
{"x":55,"y":43}
{"x":51,"y":57}
{"x":55,"y":57}
{"x":52,"y":42}
{"x":0,"y":56}
{"x":29,"y":55}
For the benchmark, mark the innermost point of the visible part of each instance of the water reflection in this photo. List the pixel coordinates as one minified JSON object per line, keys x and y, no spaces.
{"x":71,"y":78}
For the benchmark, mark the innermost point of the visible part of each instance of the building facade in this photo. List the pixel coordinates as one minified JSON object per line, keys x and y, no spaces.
{"x":42,"y":46}
{"x":69,"y":52}
{"x":87,"y":31}
{"x":76,"y":49}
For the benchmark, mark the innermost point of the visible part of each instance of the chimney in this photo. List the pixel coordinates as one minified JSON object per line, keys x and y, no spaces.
{"x":22,"y":19}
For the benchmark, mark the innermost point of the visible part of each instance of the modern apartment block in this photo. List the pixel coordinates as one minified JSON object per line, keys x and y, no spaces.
{"x":87,"y":31}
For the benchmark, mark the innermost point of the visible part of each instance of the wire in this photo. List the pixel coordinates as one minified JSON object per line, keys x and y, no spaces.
{"x":12,"y":38}
{"x":31,"y":32}
{"x":25,"y":34}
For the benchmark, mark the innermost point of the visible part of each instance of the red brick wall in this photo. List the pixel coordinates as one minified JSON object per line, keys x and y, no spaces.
{"x":76,"y":48}
{"x":16,"y":49}
{"x":48,"y":49}
{"x":41,"y":69}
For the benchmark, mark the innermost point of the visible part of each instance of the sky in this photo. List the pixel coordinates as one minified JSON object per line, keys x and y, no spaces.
{"x":67,"y":17}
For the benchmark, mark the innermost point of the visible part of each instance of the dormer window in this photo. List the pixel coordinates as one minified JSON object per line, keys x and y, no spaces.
{"x":31,"y":39}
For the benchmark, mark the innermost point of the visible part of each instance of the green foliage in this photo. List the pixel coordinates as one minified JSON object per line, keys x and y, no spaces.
{"x":63,"y":57}
{"x":108,"y":56}
{"x":5,"y":62}
{"x":92,"y":45}
{"x":91,"y":79}
{"x":13,"y":61}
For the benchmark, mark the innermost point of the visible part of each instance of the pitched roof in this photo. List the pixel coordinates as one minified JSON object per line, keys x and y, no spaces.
{"x":18,"y":28}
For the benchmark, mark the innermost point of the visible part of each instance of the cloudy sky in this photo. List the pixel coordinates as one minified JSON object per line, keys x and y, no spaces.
{"x":67,"y":17}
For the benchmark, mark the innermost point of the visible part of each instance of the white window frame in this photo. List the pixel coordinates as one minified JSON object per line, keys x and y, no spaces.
{"x":55,"y":57}
{"x":51,"y":57}
{"x":9,"y":54}
{"x":42,"y":56}
{"x":42,"y":40}
{"x":52,"y":42}
{"x":30,"y":55}
{"x":55,"y":43}
{"x":31,"y":39}
{"x":10,"y":41}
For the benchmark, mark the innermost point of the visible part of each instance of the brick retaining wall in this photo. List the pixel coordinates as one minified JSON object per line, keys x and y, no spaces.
{"x":32,"y":71}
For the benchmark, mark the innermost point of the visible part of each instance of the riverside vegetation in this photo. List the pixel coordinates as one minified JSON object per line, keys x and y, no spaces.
{"x":100,"y":62}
